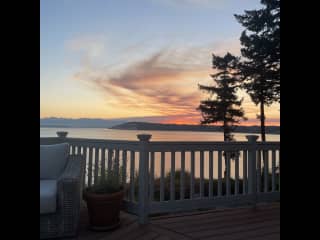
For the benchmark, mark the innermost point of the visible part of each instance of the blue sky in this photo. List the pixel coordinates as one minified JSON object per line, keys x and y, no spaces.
{"x":111,"y":59}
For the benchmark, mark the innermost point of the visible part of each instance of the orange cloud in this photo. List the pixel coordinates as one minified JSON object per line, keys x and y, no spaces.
{"x":152,"y":85}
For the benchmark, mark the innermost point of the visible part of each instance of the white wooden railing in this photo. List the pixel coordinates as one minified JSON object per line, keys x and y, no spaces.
{"x":164,"y":177}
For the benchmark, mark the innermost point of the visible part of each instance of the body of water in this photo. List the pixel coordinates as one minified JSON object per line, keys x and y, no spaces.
{"x":115,"y":134}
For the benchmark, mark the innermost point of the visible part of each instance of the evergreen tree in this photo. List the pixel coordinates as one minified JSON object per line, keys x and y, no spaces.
{"x":225,"y":108}
{"x":260,"y":71}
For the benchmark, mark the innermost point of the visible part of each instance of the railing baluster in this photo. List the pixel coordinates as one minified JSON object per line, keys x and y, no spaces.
{"x":259,"y":171}
{"x":81,"y":150}
{"x":152,"y":177}
{"x":273,"y":170}
{"x":124,"y":167}
{"x":219,"y":173}
{"x":132,"y":172}
{"x":148,"y":170}
{"x":182,"y":175}
{"x":192,"y":175}
{"x":96,"y":165}
{"x":201,"y":174}
{"x":110,"y":160}
{"x":228,"y":185}
{"x":86,"y":165}
{"x":279,"y":168}
{"x":266,"y":170}
{"x":210,"y":174}
{"x":162,"y":175}
{"x":236,"y":187}
{"x":90,"y":167}
{"x":172,"y":176}
{"x":103,"y":164}
{"x":245,"y":172}
{"x":117,"y":161}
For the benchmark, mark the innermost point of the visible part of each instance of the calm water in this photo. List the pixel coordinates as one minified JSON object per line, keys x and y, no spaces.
{"x":99,"y":133}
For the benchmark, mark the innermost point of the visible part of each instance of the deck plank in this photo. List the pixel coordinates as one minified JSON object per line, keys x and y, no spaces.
{"x":242,"y":223}
{"x":197,"y":215}
{"x":237,"y":231}
{"x":227,"y":221}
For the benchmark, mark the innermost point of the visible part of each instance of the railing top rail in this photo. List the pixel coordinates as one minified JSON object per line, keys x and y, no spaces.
{"x":91,"y":140}
{"x":87,"y":142}
{"x":157,"y":146}
{"x":208,"y":146}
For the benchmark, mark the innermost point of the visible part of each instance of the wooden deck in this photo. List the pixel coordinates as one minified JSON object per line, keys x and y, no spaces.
{"x":261,"y":223}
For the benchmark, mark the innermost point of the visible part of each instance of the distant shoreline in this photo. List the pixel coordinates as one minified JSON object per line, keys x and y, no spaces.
{"x":214,"y":131}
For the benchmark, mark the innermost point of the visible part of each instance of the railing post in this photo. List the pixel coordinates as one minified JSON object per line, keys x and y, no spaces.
{"x":252,"y":165}
{"x":143,"y":178}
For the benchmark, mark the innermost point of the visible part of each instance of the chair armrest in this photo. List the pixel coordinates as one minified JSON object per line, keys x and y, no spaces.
{"x":70,"y":187}
{"x":74,"y":170}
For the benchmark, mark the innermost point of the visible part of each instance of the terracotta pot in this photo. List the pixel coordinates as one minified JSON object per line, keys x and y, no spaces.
{"x":104,"y":210}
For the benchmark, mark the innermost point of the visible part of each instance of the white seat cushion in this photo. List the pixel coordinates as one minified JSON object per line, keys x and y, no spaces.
{"x":48,"y":196}
{"x":53,"y":159}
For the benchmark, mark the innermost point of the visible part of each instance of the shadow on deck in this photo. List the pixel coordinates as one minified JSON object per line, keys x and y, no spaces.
{"x":246,"y":223}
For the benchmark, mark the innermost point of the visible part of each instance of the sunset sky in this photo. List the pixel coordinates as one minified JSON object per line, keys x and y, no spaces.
{"x":144,"y":58}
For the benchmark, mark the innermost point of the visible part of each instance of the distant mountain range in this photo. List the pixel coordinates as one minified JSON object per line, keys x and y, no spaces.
{"x":175,"y":127}
{"x":79,"y":123}
{"x":93,"y":122}
{"x":134,"y":124}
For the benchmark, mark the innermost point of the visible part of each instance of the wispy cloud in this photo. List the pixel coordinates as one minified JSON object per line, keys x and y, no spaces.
{"x":88,"y":47}
{"x":157,"y":84}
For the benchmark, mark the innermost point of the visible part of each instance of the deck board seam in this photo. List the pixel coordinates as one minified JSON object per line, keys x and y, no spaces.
{"x":170,"y":230}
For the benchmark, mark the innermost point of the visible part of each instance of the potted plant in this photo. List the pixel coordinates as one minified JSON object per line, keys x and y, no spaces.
{"x":104,"y":201}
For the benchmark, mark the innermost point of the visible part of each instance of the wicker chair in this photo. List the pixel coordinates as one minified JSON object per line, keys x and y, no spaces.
{"x":63,"y":222}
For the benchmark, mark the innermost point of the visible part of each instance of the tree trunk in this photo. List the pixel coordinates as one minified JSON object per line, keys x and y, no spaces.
{"x":262,"y":121}
{"x":263,"y":136}
{"x":225,"y":132}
